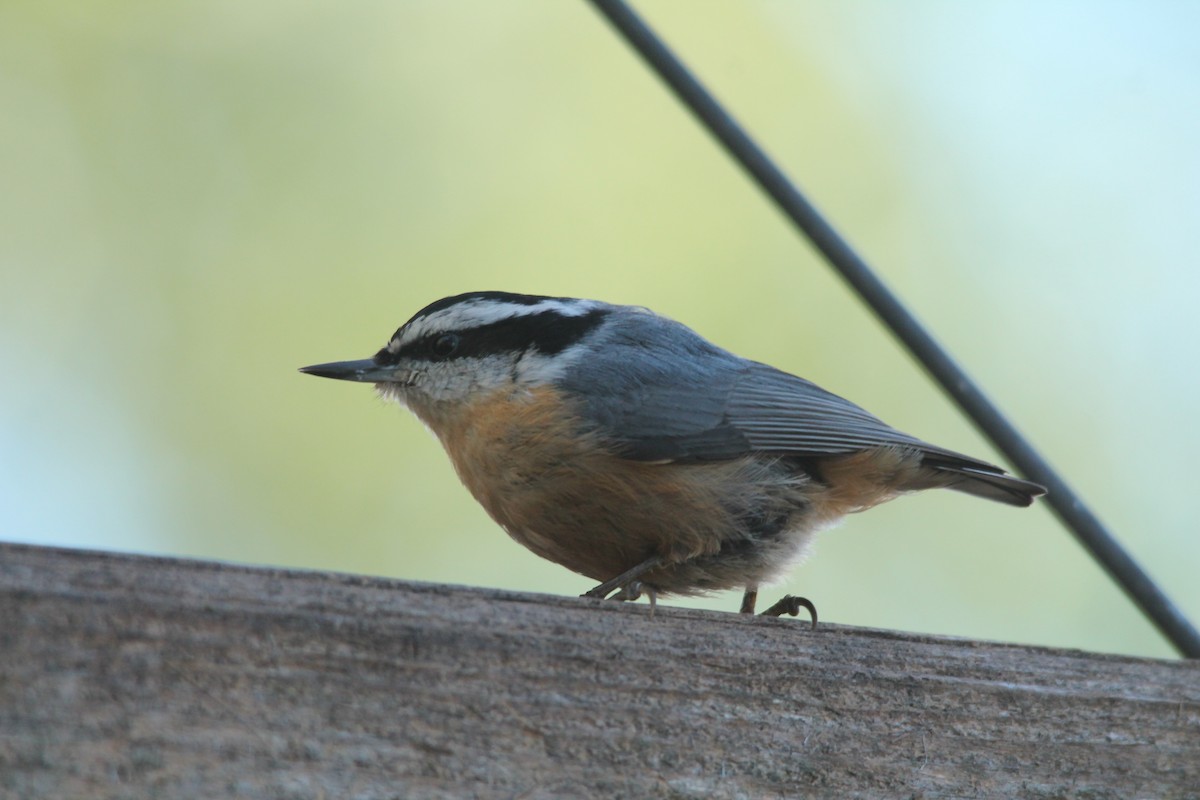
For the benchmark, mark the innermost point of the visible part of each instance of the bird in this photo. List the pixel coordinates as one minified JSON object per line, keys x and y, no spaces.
{"x":625,"y":447}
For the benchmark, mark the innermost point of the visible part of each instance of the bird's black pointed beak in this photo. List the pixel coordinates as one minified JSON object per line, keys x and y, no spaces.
{"x":365,"y":371}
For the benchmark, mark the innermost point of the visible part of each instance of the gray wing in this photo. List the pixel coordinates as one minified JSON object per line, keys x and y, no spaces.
{"x":658,"y":391}
{"x":781,"y":413}
{"x":685,"y":399}
{"x":776,"y":411}
{"x":760,"y":409}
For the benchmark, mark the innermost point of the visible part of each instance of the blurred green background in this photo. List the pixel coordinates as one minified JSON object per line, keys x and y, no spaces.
{"x":200,"y":197}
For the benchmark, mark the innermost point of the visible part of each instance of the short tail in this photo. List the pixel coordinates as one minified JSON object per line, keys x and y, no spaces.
{"x":998,"y":486}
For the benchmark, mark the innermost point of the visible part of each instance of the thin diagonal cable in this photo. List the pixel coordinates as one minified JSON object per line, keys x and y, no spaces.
{"x":1071,"y":510}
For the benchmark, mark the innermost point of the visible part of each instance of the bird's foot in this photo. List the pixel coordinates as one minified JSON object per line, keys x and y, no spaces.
{"x":791,"y":604}
{"x":623,"y":580}
{"x":634,"y":590}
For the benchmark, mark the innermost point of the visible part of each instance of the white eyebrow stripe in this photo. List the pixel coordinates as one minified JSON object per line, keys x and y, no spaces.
{"x":481,"y":312}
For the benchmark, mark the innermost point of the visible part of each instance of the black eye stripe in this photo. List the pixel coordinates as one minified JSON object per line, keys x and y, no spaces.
{"x":547,"y":332}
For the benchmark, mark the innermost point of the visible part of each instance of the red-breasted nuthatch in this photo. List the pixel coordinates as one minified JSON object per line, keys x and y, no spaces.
{"x":623,"y":446}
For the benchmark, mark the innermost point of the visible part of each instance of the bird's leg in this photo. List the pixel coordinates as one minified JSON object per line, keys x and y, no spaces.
{"x":625,"y":578}
{"x":749,"y":599}
{"x":790,"y":604}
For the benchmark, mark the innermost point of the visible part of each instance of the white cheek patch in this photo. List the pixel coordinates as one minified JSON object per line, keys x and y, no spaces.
{"x":458,"y":380}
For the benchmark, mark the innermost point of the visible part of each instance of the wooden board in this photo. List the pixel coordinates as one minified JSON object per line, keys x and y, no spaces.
{"x":131,"y":677}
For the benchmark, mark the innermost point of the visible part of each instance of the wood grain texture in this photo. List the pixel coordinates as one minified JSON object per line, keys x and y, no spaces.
{"x":131,"y":677}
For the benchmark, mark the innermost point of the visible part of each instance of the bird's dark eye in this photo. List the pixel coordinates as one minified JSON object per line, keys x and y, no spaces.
{"x":445,"y":345}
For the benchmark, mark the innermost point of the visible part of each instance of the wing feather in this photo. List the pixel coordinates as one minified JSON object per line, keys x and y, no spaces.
{"x":686,"y":399}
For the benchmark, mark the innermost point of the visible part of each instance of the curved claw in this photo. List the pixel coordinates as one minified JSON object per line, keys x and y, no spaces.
{"x":791,"y":605}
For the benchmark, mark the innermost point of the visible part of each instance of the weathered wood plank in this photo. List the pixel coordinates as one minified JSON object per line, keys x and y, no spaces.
{"x":123,"y":676}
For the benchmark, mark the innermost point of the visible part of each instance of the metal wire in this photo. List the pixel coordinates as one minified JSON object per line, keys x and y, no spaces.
{"x":1067,"y":505}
